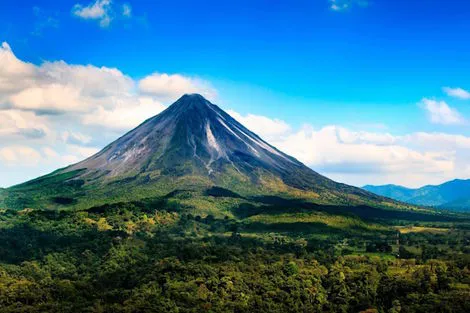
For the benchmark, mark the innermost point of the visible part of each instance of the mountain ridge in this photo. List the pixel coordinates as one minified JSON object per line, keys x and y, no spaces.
{"x":452,"y":195}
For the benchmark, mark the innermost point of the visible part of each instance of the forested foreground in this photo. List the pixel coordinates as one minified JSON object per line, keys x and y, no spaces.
{"x":137,"y":259}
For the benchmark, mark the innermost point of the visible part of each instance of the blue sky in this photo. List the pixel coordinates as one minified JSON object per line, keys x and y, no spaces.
{"x":366,"y":75}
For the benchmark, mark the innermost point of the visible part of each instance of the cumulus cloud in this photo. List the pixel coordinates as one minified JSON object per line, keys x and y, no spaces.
{"x":14,"y":73}
{"x":360,"y":158}
{"x":125,"y":117}
{"x":60,"y":88}
{"x":326,"y":149}
{"x":75,"y":138}
{"x":457,"y":93}
{"x":439,"y":112}
{"x":99,"y":10}
{"x":52,"y":98}
{"x":103,"y":11}
{"x":439,"y":141}
{"x":24,"y":155}
{"x":363,"y":157}
{"x":170,"y":86}
{"x":57,"y":87}
{"x":80,"y":152}
{"x":360,"y":137}
{"x":341,"y":5}
{"x":22,"y":159}
{"x":126,"y":10}
{"x":93,"y":81}
{"x":267,"y":128}
{"x":65,"y":106}
{"x":16,"y":123}
{"x":338,"y":5}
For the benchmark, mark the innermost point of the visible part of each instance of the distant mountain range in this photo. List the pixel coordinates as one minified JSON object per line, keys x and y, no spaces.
{"x":452,"y":195}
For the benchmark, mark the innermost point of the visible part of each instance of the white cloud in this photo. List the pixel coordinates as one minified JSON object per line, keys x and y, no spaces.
{"x":125,"y":117}
{"x":75,"y":138}
{"x":49,"y":98}
{"x":440,"y":112}
{"x":15,"y":124}
{"x":170,"y":86}
{"x":99,"y":10}
{"x":126,"y":10}
{"x":326,"y":149}
{"x":457,"y":93}
{"x":342,"y":5}
{"x":14,"y":73}
{"x":49,"y":152}
{"x":57,"y":87}
{"x":338,"y":6}
{"x":95,"y":10}
{"x":263,"y":126}
{"x":19,"y":155}
{"x":437,"y":141}
{"x":92,"y":81}
{"x":381,"y":139}
{"x":32,"y":162}
{"x":361,"y":157}
{"x":81,"y":152}
{"x":65,"y":107}
{"x":61,"y":88}
{"x":103,"y":11}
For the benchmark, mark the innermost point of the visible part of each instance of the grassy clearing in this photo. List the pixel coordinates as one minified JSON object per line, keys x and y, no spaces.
{"x":334,"y":221}
{"x":421,"y":229}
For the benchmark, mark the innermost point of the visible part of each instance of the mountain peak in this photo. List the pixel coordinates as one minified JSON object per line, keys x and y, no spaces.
{"x":191,"y":100}
{"x":193,"y":96}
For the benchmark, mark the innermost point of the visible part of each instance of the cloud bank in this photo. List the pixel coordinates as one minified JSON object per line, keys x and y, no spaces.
{"x":72,"y":110}
{"x":359,"y":157}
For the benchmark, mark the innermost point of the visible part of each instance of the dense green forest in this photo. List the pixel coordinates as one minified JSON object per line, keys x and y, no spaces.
{"x":159,"y":256}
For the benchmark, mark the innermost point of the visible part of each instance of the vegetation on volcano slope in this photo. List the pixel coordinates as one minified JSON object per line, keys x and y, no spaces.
{"x":71,"y":191}
{"x":170,"y":255}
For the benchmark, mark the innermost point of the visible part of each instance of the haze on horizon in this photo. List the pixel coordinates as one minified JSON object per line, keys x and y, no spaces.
{"x":362,"y":92}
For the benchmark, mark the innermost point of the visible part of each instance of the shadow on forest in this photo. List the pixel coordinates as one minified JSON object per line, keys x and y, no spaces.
{"x":273,"y":205}
{"x":24,"y":242}
{"x":41,"y":234}
{"x":296,"y":227}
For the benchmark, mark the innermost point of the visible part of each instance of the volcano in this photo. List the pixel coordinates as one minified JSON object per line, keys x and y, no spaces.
{"x":192,"y":136}
{"x":193,"y":145}
{"x":196,"y":137}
